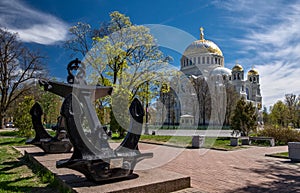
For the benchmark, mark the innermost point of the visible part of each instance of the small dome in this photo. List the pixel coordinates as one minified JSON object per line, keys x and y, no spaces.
{"x":253,"y":71}
{"x":220,"y":71}
{"x":237,"y":68}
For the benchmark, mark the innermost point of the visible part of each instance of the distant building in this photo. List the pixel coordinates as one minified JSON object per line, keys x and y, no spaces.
{"x":204,"y":60}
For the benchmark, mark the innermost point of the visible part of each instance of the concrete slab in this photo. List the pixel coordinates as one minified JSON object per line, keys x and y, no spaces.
{"x":143,"y":181}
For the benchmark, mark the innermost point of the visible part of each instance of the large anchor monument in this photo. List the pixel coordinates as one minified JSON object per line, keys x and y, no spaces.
{"x":92,"y":154}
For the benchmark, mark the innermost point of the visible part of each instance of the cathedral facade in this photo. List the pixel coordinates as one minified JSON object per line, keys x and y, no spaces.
{"x":204,"y":60}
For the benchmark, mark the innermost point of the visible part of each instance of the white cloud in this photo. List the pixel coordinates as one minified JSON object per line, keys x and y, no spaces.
{"x":272,"y":40}
{"x":31,"y":25}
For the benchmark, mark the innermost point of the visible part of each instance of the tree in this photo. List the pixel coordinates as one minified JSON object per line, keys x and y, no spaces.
{"x":291,"y":102}
{"x":266,"y":116}
{"x":81,"y":38}
{"x":278,"y":115}
{"x":244,"y":118}
{"x":121,"y":55}
{"x":23,"y":118}
{"x":232,"y":98}
{"x":18,"y":68}
{"x":168,"y":98}
{"x":204,"y":98}
{"x":51,"y":104}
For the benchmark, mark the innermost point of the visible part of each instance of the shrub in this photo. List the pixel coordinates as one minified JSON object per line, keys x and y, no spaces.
{"x":281,"y":135}
{"x":22,"y":117}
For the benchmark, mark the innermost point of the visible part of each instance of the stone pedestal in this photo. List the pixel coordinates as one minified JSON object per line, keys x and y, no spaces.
{"x":234,"y":141}
{"x":294,"y":151}
{"x":143,"y":181}
{"x":245,"y":140}
{"x":198,"y":141}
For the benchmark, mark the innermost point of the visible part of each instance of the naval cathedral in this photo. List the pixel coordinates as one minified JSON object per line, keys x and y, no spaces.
{"x":203,"y":64}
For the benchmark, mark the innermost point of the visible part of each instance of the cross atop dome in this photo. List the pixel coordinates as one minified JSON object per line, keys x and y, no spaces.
{"x":201,"y":33}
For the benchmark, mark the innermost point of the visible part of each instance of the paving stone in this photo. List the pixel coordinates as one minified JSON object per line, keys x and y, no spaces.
{"x":245,"y":170}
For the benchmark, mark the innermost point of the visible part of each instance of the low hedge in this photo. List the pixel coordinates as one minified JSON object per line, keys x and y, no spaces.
{"x":281,"y":135}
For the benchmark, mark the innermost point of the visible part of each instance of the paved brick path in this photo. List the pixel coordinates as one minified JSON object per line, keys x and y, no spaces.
{"x":246,"y":170}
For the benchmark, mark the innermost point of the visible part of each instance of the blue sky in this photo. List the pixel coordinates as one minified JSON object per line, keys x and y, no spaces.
{"x":265,"y":34}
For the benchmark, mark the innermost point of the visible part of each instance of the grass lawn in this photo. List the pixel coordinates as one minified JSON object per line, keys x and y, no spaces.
{"x":222,"y":143}
{"x":15,"y":175}
{"x":279,"y":155}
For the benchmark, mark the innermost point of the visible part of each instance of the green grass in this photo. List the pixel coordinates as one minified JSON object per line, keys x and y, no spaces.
{"x":181,"y":141}
{"x":222,"y":143}
{"x":279,"y":155}
{"x":9,"y":141}
{"x":15,"y":175}
{"x":8,"y":133}
{"x":284,"y":154}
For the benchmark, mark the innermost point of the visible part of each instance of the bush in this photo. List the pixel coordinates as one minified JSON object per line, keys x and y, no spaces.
{"x":22,"y":117}
{"x":281,"y":135}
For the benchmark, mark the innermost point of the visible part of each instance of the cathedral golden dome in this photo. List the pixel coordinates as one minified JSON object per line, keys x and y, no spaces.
{"x":253,"y":71}
{"x":203,"y":46}
{"x":237,"y":68}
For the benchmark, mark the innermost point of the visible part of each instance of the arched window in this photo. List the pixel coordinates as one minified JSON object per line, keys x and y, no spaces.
{"x":216,"y":60}
{"x":198,"y":60}
{"x":194,"y":60}
{"x":212,"y":60}
{"x":238,"y":76}
{"x":234,"y":77}
{"x":203,"y":60}
{"x":229,"y":77}
{"x":250,"y":79}
{"x":207,"y":59}
{"x":254,"y":79}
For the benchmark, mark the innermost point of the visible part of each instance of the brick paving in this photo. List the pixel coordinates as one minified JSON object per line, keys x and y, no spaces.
{"x":245,"y":170}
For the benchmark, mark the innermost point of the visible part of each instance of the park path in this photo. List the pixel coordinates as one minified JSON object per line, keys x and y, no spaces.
{"x":245,"y":170}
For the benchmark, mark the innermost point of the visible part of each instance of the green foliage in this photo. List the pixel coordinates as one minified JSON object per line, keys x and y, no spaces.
{"x":124,"y":56}
{"x":281,"y":135}
{"x":119,"y":116}
{"x":286,"y":113}
{"x":278,"y":114}
{"x":23,"y":117}
{"x":115,"y":126}
{"x":266,"y":116}
{"x":51,"y":107}
{"x":244,"y":118}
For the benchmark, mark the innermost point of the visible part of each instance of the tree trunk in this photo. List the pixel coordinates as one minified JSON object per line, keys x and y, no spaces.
{"x":1,"y":121}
